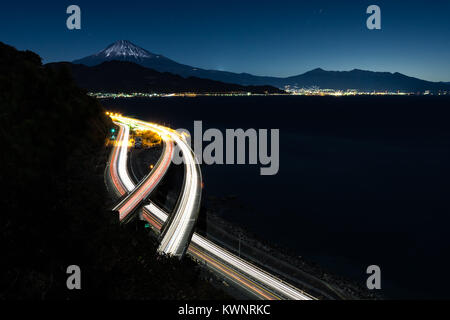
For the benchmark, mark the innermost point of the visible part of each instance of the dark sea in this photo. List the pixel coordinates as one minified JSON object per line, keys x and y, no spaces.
{"x":362,"y":180}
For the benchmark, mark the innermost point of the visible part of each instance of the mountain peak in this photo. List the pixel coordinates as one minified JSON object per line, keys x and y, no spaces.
{"x":124,"y":48}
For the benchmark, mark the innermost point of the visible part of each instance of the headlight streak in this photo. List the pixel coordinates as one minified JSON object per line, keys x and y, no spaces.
{"x":123,"y":171}
{"x":113,"y":171}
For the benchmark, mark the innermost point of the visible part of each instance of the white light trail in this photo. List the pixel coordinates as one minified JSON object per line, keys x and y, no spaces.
{"x":122,"y":169}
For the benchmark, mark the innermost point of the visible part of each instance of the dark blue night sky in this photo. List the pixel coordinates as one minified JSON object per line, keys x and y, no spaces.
{"x":278,"y":38}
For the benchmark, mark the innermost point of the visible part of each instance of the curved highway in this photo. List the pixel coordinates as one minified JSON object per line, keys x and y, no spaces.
{"x":177,"y":235}
{"x":148,"y":184}
{"x":255,"y":280}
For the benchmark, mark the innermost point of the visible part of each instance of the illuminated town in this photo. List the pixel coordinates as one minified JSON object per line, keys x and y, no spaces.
{"x":107,"y":95}
{"x":312,"y":91}
{"x":316,"y":91}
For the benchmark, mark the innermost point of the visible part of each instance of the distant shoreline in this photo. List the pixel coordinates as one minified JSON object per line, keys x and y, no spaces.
{"x":108,"y":95}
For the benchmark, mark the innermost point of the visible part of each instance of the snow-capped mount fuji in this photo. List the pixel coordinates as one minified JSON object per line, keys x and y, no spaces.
{"x":124,"y":50}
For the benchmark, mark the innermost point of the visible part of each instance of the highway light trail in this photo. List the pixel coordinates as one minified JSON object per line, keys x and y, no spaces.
{"x":255,"y":280}
{"x":123,"y":172}
{"x":148,"y":184}
{"x":231,"y":274}
{"x":176,"y":237}
{"x":113,"y":171}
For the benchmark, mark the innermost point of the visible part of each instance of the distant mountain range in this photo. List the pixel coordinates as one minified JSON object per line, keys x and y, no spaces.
{"x":124,"y":50}
{"x":124,"y":76}
{"x":364,"y":80}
